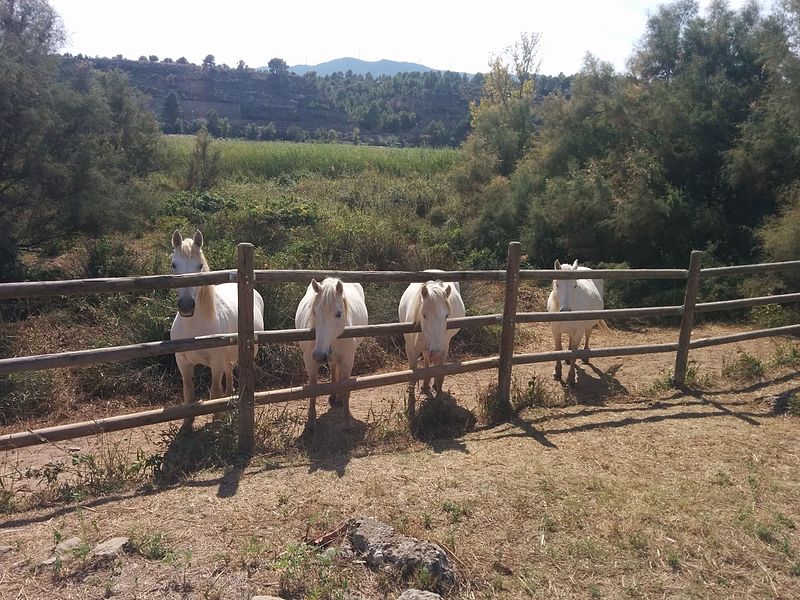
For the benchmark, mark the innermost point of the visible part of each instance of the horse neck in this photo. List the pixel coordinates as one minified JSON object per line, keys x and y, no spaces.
{"x":206,"y":301}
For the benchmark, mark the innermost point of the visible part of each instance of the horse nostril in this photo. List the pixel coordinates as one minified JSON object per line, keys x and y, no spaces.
{"x":564,"y":310}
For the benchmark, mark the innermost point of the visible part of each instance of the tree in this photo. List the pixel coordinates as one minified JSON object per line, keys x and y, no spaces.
{"x":241,"y":66}
{"x":208,"y":61}
{"x":182,"y":61}
{"x":171,"y":113}
{"x":71,"y":139}
{"x":153,"y":58}
{"x":278,"y":66}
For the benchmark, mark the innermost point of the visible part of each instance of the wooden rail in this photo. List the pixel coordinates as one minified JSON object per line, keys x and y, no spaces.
{"x":246,"y":277}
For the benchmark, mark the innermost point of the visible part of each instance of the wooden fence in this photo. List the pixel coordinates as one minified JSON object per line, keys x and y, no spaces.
{"x":246,"y":278}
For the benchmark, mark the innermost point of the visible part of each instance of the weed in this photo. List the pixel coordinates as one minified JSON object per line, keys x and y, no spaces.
{"x":773,"y":315}
{"x":252,"y":552}
{"x":786,"y":354}
{"x":427,"y":520}
{"x":422,"y":579}
{"x":535,"y":393}
{"x":745,"y":367}
{"x":548,"y":524}
{"x":594,"y":591}
{"x":149,"y":545}
{"x":721,"y":478}
{"x":303,"y":572}
{"x":491,"y":410}
{"x":794,"y":570}
{"x":692,"y":379}
{"x":586,"y":548}
{"x":673,"y":560}
{"x":181,"y":562}
{"x":793,"y":405}
{"x":456,"y":511}
{"x":637,"y":542}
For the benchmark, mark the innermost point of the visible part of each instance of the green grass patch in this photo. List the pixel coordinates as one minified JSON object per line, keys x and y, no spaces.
{"x":743,"y":367}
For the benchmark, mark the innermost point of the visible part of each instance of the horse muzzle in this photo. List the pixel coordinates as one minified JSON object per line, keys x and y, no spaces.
{"x":321,"y":357}
{"x":436,"y":357}
{"x":186,"y":307}
{"x":565,"y":310}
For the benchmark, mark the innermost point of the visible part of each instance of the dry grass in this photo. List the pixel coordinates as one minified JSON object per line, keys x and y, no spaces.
{"x":611,"y":490}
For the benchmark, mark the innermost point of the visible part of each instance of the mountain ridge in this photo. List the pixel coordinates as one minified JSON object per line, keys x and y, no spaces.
{"x":361,"y":67}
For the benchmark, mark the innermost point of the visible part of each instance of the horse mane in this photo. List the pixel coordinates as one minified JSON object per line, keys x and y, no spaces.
{"x":326,"y":297}
{"x":205,"y":300}
{"x":436,"y":290}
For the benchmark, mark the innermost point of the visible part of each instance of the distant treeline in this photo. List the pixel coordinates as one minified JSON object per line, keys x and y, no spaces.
{"x":415,"y":108}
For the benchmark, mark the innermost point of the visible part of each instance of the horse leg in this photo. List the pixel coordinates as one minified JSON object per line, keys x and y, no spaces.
{"x":413,"y":358}
{"x":311,"y":369}
{"x":574,"y":343}
{"x":229,"y":379}
{"x":217,"y":371}
{"x":426,"y":381}
{"x":438,"y":381}
{"x":187,"y":375}
{"x":557,"y":346}
{"x":586,"y":345}
{"x":335,"y":398}
{"x":344,"y":370}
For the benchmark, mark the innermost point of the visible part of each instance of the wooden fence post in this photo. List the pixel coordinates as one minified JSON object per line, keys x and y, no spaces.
{"x":689,"y":300}
{"x":509,"y":325}
{"x":247,"y":374}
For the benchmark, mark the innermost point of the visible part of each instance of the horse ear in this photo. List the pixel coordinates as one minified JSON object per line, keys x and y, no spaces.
{"x":557,"y":265}
{"x":339,"y":288}
{"x":198,"y":239}
{"x":447,"y":290}
{"x":575,"y":264}
{"x":177,"y":239}
{"x":315,"y":285}
{"x":424,"y":291}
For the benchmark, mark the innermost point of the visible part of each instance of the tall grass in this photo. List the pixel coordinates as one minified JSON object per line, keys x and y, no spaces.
{"x":242,"y":159}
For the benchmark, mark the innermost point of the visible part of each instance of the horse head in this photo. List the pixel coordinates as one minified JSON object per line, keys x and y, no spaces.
{"x":187,"y":257}
{"x":329,"y":310}
{"x":434,"y":309}
{"x":565,"y":288}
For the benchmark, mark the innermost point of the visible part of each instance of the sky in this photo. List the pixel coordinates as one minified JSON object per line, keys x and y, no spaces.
{"x":442,"y":34}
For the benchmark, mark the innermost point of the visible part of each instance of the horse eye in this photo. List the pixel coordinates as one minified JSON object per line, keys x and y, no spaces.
{"x":424,"y":316}
{"x":338,"y":314}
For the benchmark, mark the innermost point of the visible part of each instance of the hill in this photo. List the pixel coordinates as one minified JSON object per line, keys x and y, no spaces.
{"x":410,"y":108}
{"x":359,"y":67}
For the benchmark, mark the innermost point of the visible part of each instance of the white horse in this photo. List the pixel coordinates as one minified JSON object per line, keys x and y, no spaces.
{"x":430,"y":304}
{"x":569,"y":295}
{"x":206,"y":310}
{"x":328,"y":308}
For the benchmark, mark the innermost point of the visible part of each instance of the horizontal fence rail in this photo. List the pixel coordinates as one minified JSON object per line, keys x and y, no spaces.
{"x":39,"y":289}
{"x":246,"y":276}
{"x":789,"y":265}
{"x":746,"y":302}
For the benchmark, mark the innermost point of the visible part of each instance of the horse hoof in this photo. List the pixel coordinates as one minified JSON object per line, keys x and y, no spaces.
{"x":557,"y":376}
{"x":585,"y":361}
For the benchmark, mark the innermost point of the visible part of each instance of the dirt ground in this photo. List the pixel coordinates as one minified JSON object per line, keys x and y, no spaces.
{"x":618,"y":488}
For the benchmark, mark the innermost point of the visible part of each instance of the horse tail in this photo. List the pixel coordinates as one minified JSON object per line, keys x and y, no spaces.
{"x":603,"y":326}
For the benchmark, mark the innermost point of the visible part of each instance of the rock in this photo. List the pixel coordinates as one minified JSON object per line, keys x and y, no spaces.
{"x":266,"y":598}
{"x":382,"y":546}
{"x":414,"y":594}
{"x":4,"y":549}
{"x":109,"y":547}
{"x":68,"y":545}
